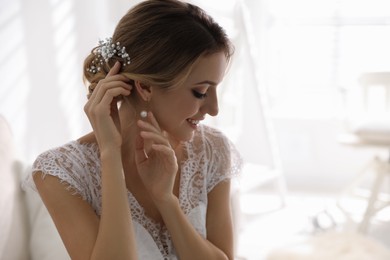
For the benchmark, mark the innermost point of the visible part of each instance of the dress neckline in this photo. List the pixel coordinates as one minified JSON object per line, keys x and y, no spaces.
{"x":136,"y":207}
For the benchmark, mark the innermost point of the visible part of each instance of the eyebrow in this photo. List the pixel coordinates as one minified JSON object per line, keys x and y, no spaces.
{"x":206,"y":82}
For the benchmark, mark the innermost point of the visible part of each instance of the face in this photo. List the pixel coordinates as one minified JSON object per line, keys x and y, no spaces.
{"x":180,"y":109}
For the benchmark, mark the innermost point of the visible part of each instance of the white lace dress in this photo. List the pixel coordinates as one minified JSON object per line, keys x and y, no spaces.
{"x":210,"y":159}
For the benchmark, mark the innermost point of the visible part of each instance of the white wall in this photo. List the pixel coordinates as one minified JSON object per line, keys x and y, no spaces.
{"x":314,"y":159}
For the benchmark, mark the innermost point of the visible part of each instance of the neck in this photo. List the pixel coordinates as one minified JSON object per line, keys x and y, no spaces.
{"x":128,"y":150}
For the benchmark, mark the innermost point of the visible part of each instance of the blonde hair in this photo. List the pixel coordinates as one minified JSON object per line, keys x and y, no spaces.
{"x":163,"y":38}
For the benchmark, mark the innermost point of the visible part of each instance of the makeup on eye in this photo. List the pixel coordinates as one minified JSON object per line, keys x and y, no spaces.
{"x":201,"y":88}
{"x":198,"y":94}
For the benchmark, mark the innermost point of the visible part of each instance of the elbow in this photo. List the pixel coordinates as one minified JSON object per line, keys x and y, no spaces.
{"x":223,"y":256}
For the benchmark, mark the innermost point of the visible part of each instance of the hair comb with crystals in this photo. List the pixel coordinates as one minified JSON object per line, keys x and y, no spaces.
{"x":105,"y":51}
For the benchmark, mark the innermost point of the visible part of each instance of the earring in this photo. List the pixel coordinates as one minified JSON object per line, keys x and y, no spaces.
{"x":143,"y":114}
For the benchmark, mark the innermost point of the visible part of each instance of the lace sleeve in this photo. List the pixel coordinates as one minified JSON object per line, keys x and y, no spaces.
{"x":225,"y":161}
{"x":62,"y":164}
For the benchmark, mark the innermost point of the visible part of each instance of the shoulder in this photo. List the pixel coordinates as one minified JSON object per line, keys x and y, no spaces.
{"x":211,"y":136}
{"x":210,"y":131}
{"x":73,"y":164}
{"x":223,"y":159}
{"x":215,"y":143}
{"x":70,"y":154}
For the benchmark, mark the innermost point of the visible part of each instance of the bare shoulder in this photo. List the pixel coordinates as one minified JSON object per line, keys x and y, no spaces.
{"x":88,"y":138}
{"x":75,"y":219}
{"x":51,"y":187}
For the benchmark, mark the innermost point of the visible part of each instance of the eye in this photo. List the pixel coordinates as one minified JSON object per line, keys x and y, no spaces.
{"x":198,"y":94}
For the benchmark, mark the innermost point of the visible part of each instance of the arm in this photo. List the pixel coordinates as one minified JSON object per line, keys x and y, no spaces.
{"x":73,"y":217}
{"x":188,"y":242}
{"x":85,"y":236}
{"x":158,"y":170}
{"x":115,"y":239}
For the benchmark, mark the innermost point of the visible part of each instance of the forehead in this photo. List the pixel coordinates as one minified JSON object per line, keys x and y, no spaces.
{"x":210,"y":67}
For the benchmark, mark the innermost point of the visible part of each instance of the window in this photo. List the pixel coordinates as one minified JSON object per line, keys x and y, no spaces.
{"x":316,"y":49}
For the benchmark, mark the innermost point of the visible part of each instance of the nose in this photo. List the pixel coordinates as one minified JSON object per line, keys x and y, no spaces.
{"x":211,"y":105}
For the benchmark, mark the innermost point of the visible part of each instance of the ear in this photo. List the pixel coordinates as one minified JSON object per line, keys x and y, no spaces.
{"x":143,"y":90}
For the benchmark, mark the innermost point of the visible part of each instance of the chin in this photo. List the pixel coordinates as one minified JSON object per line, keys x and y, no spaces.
{"x":182,"y":137}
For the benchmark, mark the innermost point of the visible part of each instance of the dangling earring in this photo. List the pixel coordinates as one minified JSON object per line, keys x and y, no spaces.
{"x":143,"y":114}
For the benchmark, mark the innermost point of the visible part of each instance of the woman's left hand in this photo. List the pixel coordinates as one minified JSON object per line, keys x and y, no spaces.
{"x":156,"y":160}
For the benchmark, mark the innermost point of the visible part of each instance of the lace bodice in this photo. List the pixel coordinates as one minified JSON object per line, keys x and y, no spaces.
{"x":210,"y":159}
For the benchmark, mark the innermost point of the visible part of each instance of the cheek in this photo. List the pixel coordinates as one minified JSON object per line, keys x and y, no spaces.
{"x":175,"y":108}
{"x":182,"y":106}
{"x":187,"y":110}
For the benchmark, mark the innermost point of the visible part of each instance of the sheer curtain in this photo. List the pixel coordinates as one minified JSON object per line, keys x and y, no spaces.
{"x":44,"y":43}
{"x":312,"y":53}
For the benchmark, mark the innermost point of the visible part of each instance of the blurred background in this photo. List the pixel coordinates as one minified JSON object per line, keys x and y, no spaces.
{"x":287,"y":100}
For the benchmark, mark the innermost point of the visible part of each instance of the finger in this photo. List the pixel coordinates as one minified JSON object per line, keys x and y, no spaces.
{"x":115,"y":69}
{"x":111,"y":77}
{"x":153,"y":120}
{"x":114,"y":113}
{"x":104,"y":105}
{"x":146,"y":126}
{"x":140,"y":155}
{"x":155,"y":138}
{"x":116,"y":77}
{"x":100,"y":92}
{"x":163,"y":149}
{"x":111,"y":94}
{"x":167,"y":153}
{"x":101,"y":87}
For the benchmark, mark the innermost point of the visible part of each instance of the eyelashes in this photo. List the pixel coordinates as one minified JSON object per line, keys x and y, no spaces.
{"x":198,"y":94}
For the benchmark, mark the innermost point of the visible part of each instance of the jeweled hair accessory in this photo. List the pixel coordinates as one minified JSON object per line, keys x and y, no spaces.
{"x":105,"y":51}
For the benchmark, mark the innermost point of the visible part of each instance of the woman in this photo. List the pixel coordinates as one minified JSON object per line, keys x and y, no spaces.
{"x":150,"y":182}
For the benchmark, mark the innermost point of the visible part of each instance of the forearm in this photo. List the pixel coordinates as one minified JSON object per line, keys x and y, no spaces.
{"x":115,"y":238}
{"x":189,"y":244}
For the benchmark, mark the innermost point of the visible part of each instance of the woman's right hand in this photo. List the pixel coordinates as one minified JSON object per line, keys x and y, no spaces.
{"x":102,"y":108}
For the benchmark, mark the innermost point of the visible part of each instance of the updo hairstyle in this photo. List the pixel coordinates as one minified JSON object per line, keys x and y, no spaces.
{"x":163,"y":38}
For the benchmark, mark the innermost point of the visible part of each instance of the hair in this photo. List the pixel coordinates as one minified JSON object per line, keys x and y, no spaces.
{"x":164,"y":38}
